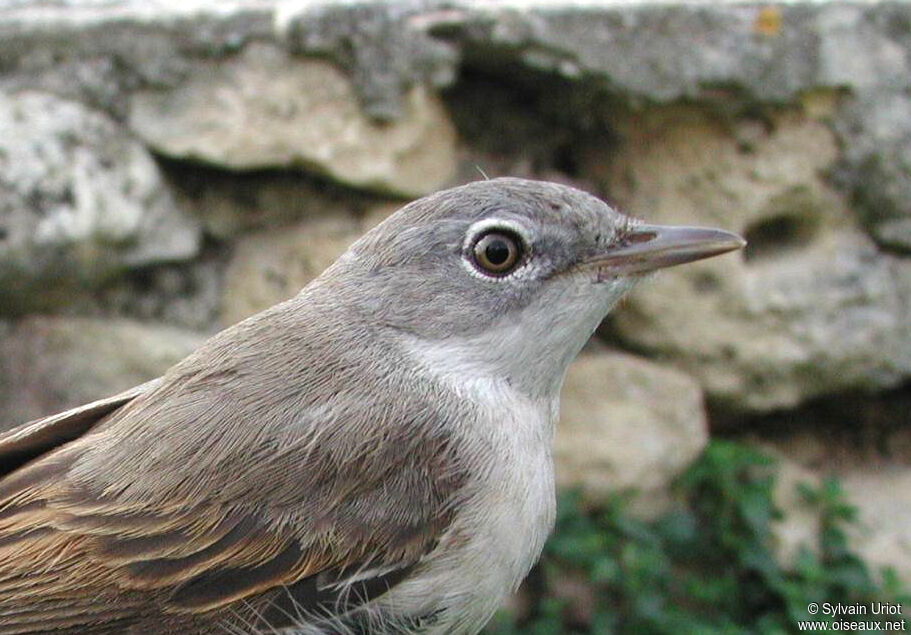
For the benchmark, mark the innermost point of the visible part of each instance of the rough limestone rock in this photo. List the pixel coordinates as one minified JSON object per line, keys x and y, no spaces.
{"x":810,"y":307}
{"x":876,"y":166}
{"x":231,"y":204}
{"x":273,"y":265}
{"x":186,"y":295}
{"x":265,"y":108}
{"x":749,"y":54}
{"x":627,"y":424}
{"x":385,"y":47}
{"x":100,"y":53}
{"x":798,"y":527}
{"x":879,"y":488}
{"x":51,"y":364}
{"x":789,"y":122}
{"x":768,"y":51}
{"x":865,"y":444}
{"x":882,"y":495}
{"x":80,"y":200}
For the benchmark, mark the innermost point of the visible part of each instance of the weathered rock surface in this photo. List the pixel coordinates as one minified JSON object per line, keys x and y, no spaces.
{"x":79,"y":201}
{"x":182,"y":295}
{"x":265,"y":109}
{"x":50,"y":364}
{"x":231,"y":204}
{"x":100,"y":53}
{"x":789,"y":122}
{"x":876,"y":167}
{"x":627,"y":424}
{"x":386,"y":48}
{"x":865,"y":444}
{"x":798,"y":527}
{"x":271,"y":266}
{"x":882,"y":495}
{"x":774,"y":51}
{"x":878,"y":486}
{"x":770,"y":52}
{"x":810,"y":307}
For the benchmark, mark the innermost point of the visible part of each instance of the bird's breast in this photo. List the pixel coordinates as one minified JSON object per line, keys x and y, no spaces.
{"x":503,"y":523}
{"x":507,"y":509}
{"x":515,"y":506}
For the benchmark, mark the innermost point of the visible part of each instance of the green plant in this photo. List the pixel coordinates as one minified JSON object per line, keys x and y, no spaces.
{"x":707,"y":567}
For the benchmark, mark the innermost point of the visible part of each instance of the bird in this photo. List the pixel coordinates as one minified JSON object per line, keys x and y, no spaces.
{"x":371,"y":456}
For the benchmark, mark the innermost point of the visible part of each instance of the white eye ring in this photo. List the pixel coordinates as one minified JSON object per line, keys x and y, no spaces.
{"x":497,"y":253}
{"x":496,"y":248}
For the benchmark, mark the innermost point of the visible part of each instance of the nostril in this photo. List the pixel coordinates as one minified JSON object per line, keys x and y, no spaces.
{"x":640,"y":237}
{"x":777,"y":235}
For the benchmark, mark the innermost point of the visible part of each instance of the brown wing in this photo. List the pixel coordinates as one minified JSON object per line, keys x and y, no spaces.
{"x":219,"y":499}
{"x":30,"y":440}
{"x":72,"y":562}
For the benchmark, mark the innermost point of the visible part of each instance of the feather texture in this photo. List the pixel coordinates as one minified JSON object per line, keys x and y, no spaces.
{"x":239,"y":491}
{"x":309,"y":467}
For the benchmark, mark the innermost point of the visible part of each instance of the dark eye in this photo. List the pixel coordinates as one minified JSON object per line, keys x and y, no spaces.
{"x":497,"y":253}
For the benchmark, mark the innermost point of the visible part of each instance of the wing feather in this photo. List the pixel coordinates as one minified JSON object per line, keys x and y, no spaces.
{"x":30,"y":440}
{"x":240,"y":489}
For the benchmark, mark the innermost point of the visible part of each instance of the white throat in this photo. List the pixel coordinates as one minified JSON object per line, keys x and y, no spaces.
{"x":507,"y":380}
{"x":512,"y":506}
{"x":531,"y":349}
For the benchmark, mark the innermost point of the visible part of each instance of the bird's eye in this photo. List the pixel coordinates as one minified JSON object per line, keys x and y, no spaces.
{"x":497,"y":253}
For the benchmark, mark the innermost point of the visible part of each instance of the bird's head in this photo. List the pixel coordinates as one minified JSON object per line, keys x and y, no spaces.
{"x":510,"y":276}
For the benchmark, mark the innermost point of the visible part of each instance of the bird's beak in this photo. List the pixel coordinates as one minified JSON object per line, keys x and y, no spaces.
{"x":649,"y":247}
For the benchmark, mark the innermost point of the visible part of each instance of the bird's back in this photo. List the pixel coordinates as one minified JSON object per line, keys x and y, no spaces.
{"x":248,"y":488}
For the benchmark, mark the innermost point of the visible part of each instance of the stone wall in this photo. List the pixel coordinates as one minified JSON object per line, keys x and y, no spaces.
{"x":168,"y":170}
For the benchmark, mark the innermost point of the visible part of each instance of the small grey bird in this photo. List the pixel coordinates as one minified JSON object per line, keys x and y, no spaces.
{"x":370,"y":456}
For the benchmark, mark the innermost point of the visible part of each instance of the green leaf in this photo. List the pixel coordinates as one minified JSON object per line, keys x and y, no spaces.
{"x":704,"y":568}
